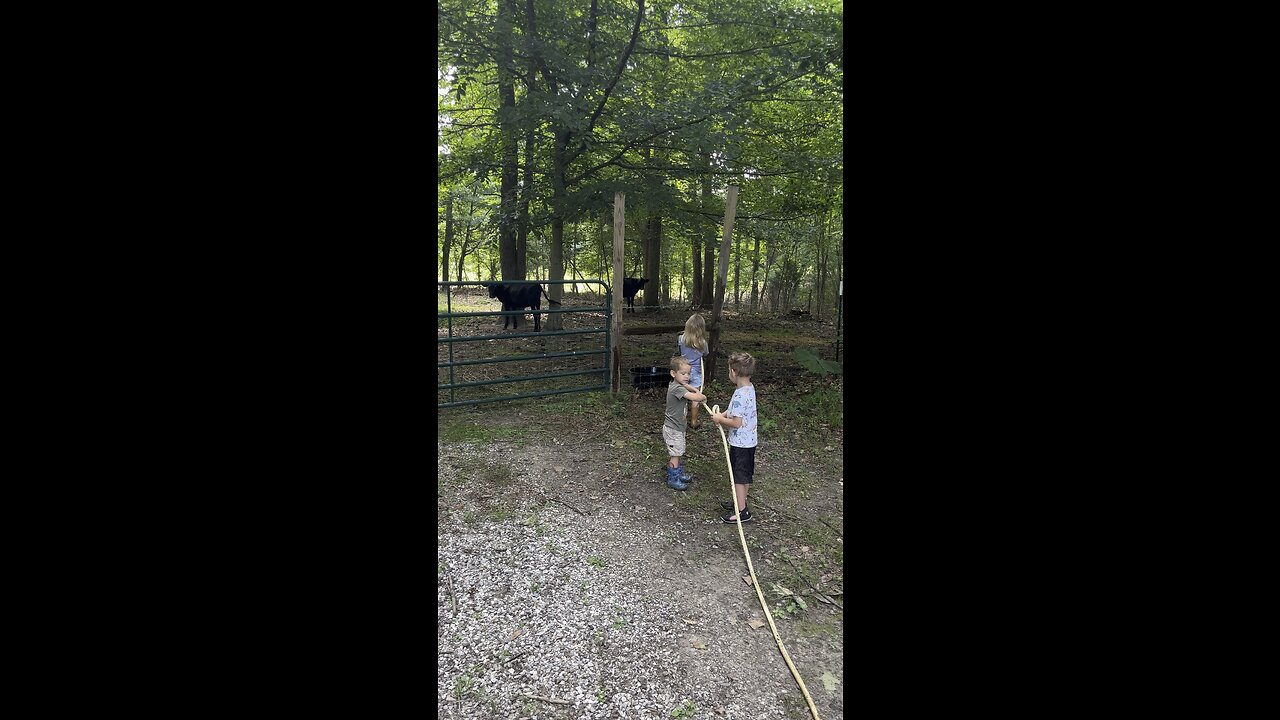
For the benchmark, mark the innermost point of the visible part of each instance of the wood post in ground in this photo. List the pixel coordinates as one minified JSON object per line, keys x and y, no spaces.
{"x":722,"y":274}
{"x":615,"y":324}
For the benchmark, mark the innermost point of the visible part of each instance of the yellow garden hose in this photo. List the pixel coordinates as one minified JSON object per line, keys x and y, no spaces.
{"x":724,"y":440}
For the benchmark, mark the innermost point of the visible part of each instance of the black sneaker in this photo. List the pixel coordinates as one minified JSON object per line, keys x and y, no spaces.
{"x":746,"y":517}
{"x":727,"y":505}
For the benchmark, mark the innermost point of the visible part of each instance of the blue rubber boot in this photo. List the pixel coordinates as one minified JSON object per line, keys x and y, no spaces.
{"x":685,"y":476}
{"x":673,"y":479}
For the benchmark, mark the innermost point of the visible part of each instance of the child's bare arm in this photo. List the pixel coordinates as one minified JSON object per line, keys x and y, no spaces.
{"x":695,"y":396}
{"x":720,"y":419}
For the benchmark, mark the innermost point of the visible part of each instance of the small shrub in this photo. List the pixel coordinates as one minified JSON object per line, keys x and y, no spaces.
{"x":684,"y":710}
{"x":809,"y":360}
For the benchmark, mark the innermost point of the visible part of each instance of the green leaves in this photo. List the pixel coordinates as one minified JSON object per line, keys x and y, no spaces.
{"x":809,"y":360}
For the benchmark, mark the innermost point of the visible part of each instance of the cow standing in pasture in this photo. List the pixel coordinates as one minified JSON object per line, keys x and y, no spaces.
{"x":631,"y":286}
{"x":519,"y":297}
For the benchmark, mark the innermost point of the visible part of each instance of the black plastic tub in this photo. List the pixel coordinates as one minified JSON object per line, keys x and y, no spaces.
{"x":650,"y":376}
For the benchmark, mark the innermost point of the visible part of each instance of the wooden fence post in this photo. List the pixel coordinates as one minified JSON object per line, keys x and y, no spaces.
{"x":722,"y":274}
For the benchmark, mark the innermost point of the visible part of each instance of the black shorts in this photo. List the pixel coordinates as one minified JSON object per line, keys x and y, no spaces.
{"x":743,"y":462}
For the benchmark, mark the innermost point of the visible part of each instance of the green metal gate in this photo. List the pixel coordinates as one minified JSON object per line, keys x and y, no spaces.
{"x":451,"y":339}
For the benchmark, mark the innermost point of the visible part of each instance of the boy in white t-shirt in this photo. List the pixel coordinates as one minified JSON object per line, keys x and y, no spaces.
{"x":741,"y":418}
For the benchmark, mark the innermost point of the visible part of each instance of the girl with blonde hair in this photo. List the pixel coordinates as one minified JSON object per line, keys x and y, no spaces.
{"x":692,"y":345}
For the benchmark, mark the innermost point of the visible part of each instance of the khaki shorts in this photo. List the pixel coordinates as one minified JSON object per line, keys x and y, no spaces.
{"x":674,"y":440}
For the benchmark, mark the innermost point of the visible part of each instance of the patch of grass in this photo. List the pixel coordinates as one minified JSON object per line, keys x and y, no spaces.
{"x":455,"y":429}
{"x":810,"y":628}
{"x":684,"y":710}
{"x":807,"y":412}
{"x":463,"y":685}
{"x":826,"y":406}
{"x":595,"y":561}
{"x":795,"y":707}
{"x":591,"y":403}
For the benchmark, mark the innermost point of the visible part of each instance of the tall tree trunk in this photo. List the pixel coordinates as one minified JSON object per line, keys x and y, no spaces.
{"x":768,"y":263}
{"x":448,"y":235}
{"x":695,"y":290}
{"x":737,"y":269}
{"x":819,"y":278}
{"x":526,"y":197}
{"x":652,"y":264}
{"x":683,"y":270}
{"x":559,"y":199}
{"x":707,"y":291}
{"x":573,"y":264}
{"x":466,"y":241}
{"x":602,"y":257}
{"x":755,"y":267}
{"x":823,"y":253}
{"x":507,"y":95}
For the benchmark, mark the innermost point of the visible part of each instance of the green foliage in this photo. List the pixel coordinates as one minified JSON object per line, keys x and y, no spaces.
{"x":809,"y":360}
{"x":687,"y":709}
{"x":754,"y":102}
{"x":825,"y":406}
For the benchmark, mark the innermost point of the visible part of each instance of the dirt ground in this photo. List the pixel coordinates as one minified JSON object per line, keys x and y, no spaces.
{"x":599,"y":460}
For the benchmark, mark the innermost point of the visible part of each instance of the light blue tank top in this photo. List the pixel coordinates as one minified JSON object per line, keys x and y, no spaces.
{"x":693,"y":355}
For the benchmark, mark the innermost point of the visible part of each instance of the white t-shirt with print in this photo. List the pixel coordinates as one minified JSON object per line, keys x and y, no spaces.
{"x":743,"y":405}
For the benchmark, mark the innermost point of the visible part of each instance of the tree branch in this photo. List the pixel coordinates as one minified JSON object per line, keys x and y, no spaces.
{"x":678,"y":126}
{"x":552,"y":84}
{"x":687,"y":170}
{"x":591,"y":38}
{"x":700,"y":56}
{"x":622,"y":65}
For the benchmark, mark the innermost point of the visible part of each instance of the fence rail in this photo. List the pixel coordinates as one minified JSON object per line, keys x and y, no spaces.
{"x":450,"y":339}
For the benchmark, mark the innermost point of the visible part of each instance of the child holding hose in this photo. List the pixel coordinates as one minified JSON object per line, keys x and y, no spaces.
{"x":678,"y":392}
{"x":740,"y":418}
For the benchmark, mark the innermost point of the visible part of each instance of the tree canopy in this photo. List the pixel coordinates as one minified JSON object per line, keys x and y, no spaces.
{"x":547,"y":108}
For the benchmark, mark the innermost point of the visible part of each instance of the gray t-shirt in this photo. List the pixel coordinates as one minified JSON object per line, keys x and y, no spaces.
{"x":677,"y":408}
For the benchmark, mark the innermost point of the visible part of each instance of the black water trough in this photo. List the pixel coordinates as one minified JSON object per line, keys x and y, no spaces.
{"x":650,"y":377}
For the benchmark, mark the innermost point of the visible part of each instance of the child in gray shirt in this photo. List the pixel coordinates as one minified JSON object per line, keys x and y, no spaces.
{"x":673,"y":425}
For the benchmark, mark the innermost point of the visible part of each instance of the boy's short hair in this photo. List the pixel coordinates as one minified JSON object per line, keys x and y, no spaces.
{"x":742,"y":364}
{"x":677,"y":361}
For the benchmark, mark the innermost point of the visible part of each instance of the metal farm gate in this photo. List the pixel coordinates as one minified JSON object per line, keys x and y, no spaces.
{"x":452,"y":338}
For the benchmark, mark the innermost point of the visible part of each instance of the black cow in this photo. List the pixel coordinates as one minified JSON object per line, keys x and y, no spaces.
{"x":519,"y":297}
{"x":631,"y":286}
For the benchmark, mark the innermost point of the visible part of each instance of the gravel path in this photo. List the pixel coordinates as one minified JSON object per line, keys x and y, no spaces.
{"x":546,"y":602}
{"x":581,"y":625}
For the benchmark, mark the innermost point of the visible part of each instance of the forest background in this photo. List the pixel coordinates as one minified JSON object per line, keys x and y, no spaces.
{"x":546,"y":108}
